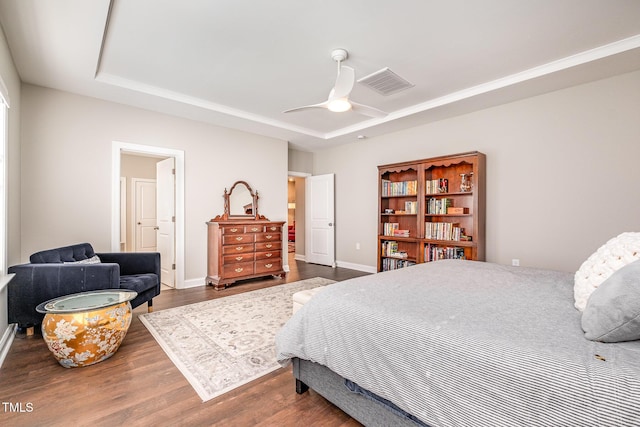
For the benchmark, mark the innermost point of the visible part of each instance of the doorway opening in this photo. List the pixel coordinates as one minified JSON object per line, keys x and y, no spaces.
{"x":296,"y":214}
{"x":126,"y":233}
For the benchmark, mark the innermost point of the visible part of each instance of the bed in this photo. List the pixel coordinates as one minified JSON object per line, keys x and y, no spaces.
{"x":461,"y":343}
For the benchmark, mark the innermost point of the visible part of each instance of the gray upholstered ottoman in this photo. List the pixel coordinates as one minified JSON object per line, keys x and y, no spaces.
{"x":300,"y":298}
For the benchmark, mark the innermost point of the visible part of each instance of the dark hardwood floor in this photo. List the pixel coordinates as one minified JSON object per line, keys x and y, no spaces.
{"x":140,"y":386}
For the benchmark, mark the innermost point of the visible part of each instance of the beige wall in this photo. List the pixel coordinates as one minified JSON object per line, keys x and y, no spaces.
{"x":12,"y":81}
{"x":66,"y":169}
{"x":562,"y":173}
{"x":300,"y":161}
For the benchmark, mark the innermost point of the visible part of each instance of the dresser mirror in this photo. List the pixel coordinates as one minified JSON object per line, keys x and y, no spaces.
{"x":240,"y":201}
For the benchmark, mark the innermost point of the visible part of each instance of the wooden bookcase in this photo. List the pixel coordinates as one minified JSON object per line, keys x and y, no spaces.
{"x":424,"y":213}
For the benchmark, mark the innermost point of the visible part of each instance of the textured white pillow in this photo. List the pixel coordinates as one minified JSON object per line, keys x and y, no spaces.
{"x":93,"y":260}
{"x":610,"y":257}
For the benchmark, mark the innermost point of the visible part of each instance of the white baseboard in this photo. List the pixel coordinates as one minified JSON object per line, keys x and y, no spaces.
{"x":344,"y":264}
{"x":7,"y":340}
{"x":193,"y":283}
{"x":359,"y":267}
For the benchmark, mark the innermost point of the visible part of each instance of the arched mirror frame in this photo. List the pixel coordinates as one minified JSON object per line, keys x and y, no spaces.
{"x":228,"y":215}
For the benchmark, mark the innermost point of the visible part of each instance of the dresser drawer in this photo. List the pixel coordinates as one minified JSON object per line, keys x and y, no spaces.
{"x":237,"y":249}
{"x":268,"y":237}
{"x":266,"y":266}
{"x":268,"y":255}
{"x":232,"y":229}
{"x":268,"y":246}
{"x":273,"y":228}
{"x":238,"y":270}
{"x":234,"y":239}
{"x":253,"y":229}
{"x":240,"y":257}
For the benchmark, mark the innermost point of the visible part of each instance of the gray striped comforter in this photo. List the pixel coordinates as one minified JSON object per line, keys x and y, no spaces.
{"x":463,"y":343}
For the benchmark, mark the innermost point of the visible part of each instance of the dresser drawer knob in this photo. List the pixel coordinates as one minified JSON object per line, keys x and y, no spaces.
{"x":239,"y":269}
{"x":274,"y":228}
{"x":255,"y":229}
{"x":239,"y":248}
{"x":233,"y":230}
{"x":239,"y":258}
{"x":268,"y":255}
{"x":239,"y":238}
{"x":268,"y":265}
{"x":269,"y":246}
{"x":269,"y":236}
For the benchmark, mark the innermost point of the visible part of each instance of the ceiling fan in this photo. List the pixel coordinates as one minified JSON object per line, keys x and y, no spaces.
{"x":338,"y":100}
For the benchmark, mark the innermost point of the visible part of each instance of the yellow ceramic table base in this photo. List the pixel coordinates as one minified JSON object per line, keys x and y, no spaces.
{"x":86,"y":334}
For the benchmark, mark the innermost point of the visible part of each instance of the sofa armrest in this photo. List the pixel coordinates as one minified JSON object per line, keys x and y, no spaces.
{"x":36,"y":283}
{"x":133,"y":262}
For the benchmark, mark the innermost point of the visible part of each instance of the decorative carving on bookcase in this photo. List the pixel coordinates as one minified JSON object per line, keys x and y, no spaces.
{"x":448,"y":163}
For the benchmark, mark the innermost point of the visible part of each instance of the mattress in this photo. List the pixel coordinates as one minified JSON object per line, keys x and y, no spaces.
{"x":469,"y":343}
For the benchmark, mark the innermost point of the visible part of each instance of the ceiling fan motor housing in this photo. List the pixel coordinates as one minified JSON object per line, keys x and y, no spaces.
{"x":339,"y":55}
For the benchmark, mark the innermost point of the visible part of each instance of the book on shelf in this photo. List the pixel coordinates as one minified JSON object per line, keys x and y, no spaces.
{"x":393,"y":229}
{"x":411,"y":207}
{"x":437,"y":206}
{"x":394,"y":264}
{"x":389,"y":228}
{"x":443,"y":231}
{"x":435,"y":253}
{"x":435,"y":186}
{"x":389,"y":248}
{"x":401,"y":188}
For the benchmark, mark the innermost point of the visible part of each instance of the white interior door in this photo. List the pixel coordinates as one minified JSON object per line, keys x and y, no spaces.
{"x":319,"y":220}
{"x":165,"y":177}
{"x":144,"y":221}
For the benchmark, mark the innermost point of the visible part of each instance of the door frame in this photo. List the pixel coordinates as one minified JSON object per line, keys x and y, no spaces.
{"x":119,"y":148}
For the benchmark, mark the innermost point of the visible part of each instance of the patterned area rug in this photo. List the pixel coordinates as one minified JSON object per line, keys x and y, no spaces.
{"x":221,"y":344}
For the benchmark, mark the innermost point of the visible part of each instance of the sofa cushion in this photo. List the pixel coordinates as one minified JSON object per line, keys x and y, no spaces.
{"x":139,"y":282}
{"x":79,"y":252}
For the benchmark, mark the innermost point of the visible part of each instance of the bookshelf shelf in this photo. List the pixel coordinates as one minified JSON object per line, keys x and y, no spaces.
{"x":448,"y":215}
{"x":431,"y":188}
{"x":462,"y":243}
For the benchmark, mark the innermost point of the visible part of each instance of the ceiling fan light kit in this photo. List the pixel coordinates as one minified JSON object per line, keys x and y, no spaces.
{"x":338,"y":100}
{"x":339,"y":105}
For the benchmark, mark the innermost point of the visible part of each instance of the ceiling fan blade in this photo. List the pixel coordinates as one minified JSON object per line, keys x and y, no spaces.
{"x":365,"y":110}
{"x":308,"y":107}
{"x":344,"y":83}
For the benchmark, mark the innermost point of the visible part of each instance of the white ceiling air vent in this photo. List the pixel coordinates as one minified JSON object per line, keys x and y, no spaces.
{"x":385,"y":82}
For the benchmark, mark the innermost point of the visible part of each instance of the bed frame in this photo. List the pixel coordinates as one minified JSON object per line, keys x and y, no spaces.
{"x":332,"y":387}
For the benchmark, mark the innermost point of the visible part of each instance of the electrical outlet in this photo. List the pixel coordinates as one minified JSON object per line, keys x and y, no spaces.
{"x":357,"y":246}
{"x":515,"y":262}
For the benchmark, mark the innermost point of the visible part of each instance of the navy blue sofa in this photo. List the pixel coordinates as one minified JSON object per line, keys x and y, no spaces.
{"x":71,"y":269}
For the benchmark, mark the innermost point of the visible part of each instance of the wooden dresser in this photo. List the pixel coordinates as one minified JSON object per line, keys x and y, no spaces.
{"x":243,"y":249}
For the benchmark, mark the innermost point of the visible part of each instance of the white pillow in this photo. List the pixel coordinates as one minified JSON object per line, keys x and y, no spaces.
{"x":610,"y":257}
{"x":93,"y":260}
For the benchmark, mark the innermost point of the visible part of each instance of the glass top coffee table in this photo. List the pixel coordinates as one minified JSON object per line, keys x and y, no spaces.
{"x":86,"y":301}
{"x":88,"y":327}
